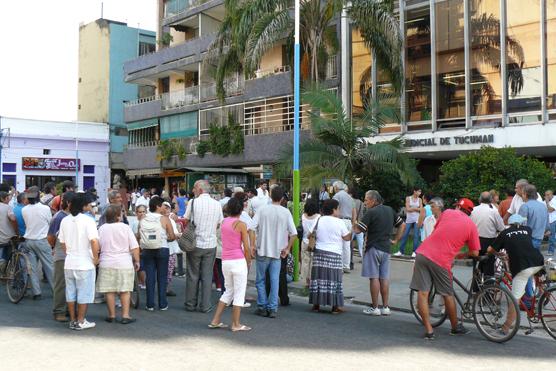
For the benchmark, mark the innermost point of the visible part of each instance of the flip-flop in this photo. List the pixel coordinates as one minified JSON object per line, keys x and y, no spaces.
{"x":126,"y":321}
{"x":218,"y":325}
{"x":110,"y":319}
{"x":242,"y":328}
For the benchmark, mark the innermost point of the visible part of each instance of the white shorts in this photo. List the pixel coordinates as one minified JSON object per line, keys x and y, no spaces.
{"x":235,"y":281}
{"x":80,"y":286}
{"x":519,"y":282}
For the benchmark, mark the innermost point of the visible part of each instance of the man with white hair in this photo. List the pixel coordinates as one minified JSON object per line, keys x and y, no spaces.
{"x":206,"y":213}
{"x":348,"y":214}
{"x":518,"y":199}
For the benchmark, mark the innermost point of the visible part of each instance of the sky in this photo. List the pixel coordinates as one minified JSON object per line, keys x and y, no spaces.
{"x":39,"y":42}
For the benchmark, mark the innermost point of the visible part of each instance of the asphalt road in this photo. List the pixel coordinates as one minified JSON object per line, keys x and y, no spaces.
{"x":297,"y":340}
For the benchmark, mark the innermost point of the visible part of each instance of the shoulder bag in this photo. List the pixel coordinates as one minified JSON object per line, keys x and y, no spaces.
{"x":188,"y":239}
{"x":313,"y":238}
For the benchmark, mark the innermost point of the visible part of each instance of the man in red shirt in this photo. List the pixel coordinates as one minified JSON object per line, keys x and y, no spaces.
{"x":433,"y":264}
{"x":505,"y":205}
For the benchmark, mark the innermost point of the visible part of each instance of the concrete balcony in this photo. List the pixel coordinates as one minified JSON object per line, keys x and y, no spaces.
{"x":183,"y":9}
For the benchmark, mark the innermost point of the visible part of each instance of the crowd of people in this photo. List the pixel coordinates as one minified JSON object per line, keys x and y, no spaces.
{"x":88,"y":253}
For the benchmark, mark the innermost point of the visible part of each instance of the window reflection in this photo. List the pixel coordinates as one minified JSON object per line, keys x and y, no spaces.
{"x":524,"y":72}
{"x":450,"y":61}
{"x":486,"y":84}
{"x":360,"y":73}
{"x":551,"y":52}
{"x":418,"y":64}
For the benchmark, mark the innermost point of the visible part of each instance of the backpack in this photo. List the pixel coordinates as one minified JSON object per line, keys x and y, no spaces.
{"x":150,"y":232}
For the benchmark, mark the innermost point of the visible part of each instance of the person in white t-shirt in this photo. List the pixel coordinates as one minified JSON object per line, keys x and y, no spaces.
{"x":37,"y":217}
{"x":517,"y":201}
{"x":79,"y":239}
{"x":327,"y":271}
{"x":143,"y":200}
{"x":550,"y":201}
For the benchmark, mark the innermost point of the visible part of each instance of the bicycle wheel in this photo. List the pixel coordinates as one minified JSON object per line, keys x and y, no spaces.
{"x":135,"y":297}
{"x":547,"y":311}
{"x":496,"y":313}
{"x":437,"y":312}
{"x":18,"y":276}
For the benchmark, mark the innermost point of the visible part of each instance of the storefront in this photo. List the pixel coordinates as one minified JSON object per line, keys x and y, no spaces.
{"x":36,"y":152}
{"x":219,"y":178}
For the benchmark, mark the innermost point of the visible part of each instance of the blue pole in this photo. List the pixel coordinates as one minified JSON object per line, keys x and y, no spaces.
{"x":296,"y":98}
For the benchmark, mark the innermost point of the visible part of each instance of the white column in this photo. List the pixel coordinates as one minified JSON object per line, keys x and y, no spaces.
{"x":403,"y":119}
{"x":433,"y":66}
{"x":345,"y":61}
{"x":504,"y":67}
{"x":544,"y":91}
{"x":467,"y":54}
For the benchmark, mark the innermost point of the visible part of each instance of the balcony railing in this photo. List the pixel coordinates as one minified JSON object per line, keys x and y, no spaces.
{"x":232,"y":87}
{"x":331,"y":68}
{"x":150,"y":143}
{"x":142,"y":100}
{"x":180,"y":98}
{"x":270,"y":71}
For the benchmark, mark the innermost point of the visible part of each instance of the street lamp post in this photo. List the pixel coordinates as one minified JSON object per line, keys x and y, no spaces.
{"x":296,"y":179}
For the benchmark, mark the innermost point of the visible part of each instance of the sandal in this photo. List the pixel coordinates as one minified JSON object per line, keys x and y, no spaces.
{"x":110,"y":319}
{"x":315,"y":308}
{"x":126,"y":321}
{"x":218,"y":325}
{"x":242,"y":328}
{"x":337,"y":311}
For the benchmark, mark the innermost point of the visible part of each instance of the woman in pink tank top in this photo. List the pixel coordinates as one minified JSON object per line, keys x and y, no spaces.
{"x":236,"y":258}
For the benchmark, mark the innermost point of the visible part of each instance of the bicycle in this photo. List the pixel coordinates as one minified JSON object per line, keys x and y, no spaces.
{"x":16,"y":271}
{"x":487,"y":304}
{"x":542,"y":307}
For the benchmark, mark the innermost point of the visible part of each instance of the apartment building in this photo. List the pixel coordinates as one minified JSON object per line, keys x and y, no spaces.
{"x":186,"y":104}
{"x":104,"y":46}
{"x":476,"y":72}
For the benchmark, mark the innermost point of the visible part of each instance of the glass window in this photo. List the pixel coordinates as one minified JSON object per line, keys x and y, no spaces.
{"x":523,"y":60}
{"x":177,"y":126}
{"x":450,"y":61}
{"x":418,"y":64}
{"x":89,"y":169}
{"x":361,"y":74}
{"x":551,"y":52}
{"x":8,"y":167}
{"x":9,"y":179}
{"x":146,"y":48}
{"x":486,"y":84}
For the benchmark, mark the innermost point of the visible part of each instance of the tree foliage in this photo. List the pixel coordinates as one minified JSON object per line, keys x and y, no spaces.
{"x":490,"y":168}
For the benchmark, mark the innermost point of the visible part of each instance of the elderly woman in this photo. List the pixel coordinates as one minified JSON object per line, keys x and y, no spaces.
{"x":437,"y":206}
{"x":119,"y":257}
{"x":325,"y":287}
{"x":236,"y":258}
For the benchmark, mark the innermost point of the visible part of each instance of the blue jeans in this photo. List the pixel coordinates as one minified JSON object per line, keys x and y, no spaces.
{"x":360,"y":238}
{"x":552,"y":238}
{"x":416,"y":234}
{"x":529,"y":288}
{"x":271,"y":265}
{"x":4,"y":252}
{"x":155,"y":262}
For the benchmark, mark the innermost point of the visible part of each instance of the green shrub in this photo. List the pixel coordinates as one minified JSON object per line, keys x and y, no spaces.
{"x":490,"y":168}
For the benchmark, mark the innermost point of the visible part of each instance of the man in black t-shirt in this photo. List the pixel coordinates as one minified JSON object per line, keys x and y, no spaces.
{"x":378,"y":222}
{"x":525,"y":259}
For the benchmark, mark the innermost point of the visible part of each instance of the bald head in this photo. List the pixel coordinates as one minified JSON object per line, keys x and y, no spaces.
{"x":486,"y":198}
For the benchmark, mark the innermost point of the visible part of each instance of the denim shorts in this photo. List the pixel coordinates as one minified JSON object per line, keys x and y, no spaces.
{"x":376,"y":264}
{"x":80,"y":285}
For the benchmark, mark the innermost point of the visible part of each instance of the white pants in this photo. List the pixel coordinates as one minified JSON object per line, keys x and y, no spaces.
{"x":346,"y":248}
{"x":235,"y":281}
{"x":520,"y":281}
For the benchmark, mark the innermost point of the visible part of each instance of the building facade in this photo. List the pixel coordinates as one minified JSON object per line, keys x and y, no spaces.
{"x":104,"y":46}
{"x":476,"y":72}
{"x":36,"y":152}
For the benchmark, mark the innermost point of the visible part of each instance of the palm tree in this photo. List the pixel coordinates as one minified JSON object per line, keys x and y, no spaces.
{"x":339,"y":147}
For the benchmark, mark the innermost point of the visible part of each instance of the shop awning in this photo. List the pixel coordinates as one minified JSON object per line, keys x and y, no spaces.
{"x":215,"y":170}
{"x":140,"y":172}
{"x":143,"y":124}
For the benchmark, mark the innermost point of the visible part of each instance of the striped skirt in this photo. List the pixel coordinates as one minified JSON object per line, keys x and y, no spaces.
{"x":325,"y":287}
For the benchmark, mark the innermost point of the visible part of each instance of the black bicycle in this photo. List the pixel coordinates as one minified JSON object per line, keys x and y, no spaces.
{"x":488,"y":304}
{"x":16,"y":271}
